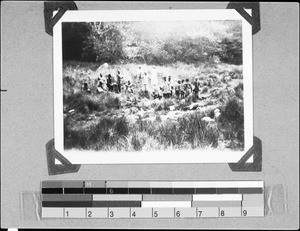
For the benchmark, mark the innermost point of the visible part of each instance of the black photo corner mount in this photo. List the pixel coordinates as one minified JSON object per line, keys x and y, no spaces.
{"x":65,"y":166}
{"x":254,"y":20}
{"x":256,"y":165}
{"x":61,"y":8}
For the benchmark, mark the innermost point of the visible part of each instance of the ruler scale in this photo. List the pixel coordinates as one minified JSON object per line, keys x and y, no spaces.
{"x":155,"y":199}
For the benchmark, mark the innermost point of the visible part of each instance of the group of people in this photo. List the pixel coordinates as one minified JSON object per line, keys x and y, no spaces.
{"x":149,"y":85}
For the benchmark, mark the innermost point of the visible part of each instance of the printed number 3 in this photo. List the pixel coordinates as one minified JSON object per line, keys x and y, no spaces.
{"x":111,"y":214}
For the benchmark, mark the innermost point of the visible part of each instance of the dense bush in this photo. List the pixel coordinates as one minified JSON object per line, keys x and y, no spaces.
{"x":119,"y":42}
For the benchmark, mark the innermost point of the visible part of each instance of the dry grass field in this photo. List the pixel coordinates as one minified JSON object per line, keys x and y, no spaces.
{"x":135,"y":122}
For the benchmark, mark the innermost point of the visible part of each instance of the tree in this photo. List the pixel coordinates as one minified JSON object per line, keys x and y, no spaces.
{"x":105,"y":42}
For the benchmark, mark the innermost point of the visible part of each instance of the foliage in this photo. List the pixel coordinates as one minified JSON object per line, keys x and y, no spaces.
{"x":125,"y":42}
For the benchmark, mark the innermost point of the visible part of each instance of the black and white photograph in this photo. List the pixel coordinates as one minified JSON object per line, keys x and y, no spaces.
{"x":153,"y":85}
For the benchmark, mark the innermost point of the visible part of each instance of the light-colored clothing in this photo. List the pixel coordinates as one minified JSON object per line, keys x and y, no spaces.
{"x":154,"y":80}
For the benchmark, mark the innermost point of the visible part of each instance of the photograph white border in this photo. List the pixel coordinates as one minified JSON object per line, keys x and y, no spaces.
{"x":152,"y":157}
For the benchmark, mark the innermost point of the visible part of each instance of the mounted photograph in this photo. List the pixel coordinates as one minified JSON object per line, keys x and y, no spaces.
{"x":155,"y":86}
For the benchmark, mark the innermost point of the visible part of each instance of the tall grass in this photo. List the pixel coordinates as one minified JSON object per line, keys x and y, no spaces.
{"x":99,"y":122}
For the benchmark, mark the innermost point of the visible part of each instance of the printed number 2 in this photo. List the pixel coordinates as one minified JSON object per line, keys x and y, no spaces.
{"x":89,"y":213}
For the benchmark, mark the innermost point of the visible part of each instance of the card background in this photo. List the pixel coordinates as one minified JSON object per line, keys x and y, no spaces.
{"x":27,"y":121}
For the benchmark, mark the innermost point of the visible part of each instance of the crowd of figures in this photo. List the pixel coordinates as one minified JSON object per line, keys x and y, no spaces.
{"x":149,"y":85}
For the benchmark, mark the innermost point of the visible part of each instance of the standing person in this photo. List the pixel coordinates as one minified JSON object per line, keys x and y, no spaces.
{"x":109,"y":82}
{"x":101,"y":84}
{"x":196,"y":88}
{"x":139,"y":74}
{"x":178,"y":89}
{"x":170,"y":86}
{"x":119,"y":78}
{"x":182,"y":89}
{"x":153,"y":79}
{"x":145,"y":82}
{"x":166,"y":88}
{"x":188,"y":88}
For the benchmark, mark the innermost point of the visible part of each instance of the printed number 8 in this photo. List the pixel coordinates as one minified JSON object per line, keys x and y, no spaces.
{"x":222,"y":213}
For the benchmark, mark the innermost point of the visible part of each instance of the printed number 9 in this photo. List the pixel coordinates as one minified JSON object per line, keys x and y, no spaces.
{"x":244,"y":213}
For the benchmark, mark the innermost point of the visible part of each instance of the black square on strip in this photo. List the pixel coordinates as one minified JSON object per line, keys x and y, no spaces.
{"x":73,"y":190}
{"x":206,"y":191}
{"x":184,"y":191}
{"x":162,"y":191}
{"x":52,"y":190}
{"x":227,"y":190}
{"x":95,"y":190}
{"x":117,"y":191}
{"x":139,"y":191}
